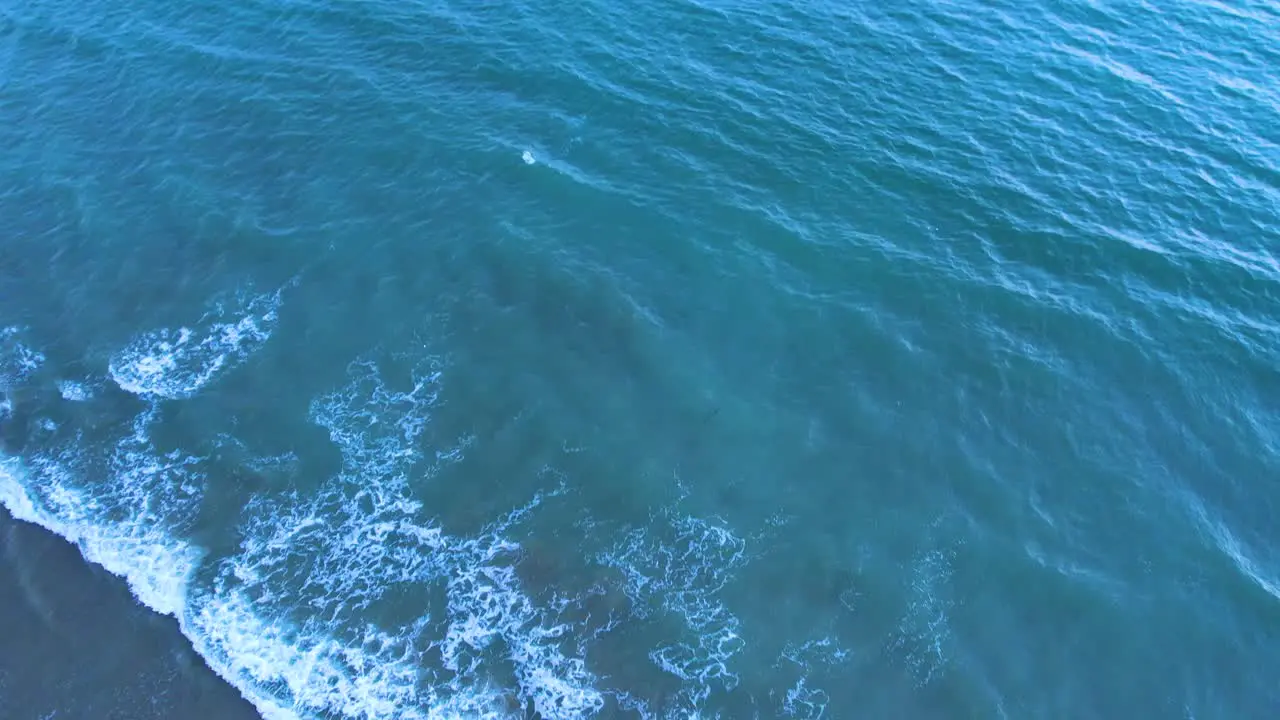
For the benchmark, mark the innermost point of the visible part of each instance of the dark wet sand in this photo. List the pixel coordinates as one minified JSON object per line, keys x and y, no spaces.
{"x":75,"y":644}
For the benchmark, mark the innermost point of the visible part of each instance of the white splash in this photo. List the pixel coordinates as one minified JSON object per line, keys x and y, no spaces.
{"x":528,"y":158}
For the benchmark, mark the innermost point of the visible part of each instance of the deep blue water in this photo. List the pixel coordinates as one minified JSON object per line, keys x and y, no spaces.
{"x":677,"y":359}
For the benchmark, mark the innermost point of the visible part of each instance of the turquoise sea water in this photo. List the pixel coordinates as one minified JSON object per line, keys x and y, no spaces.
{"x":658,"y":360}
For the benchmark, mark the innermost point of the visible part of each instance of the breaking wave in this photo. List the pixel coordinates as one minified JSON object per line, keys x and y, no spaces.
{"x":176,"y":362}
{"x":126,"y":522}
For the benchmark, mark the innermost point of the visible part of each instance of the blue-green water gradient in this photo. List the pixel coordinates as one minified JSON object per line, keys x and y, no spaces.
{"x":444,"y":359}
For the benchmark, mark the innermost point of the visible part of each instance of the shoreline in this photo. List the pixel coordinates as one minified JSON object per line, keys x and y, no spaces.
{"x":78,"y":644}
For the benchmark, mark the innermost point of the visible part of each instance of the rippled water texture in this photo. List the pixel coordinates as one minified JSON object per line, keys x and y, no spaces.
{"x":449,"y":359}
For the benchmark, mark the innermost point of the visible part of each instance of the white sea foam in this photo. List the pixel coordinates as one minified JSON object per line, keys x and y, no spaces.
{"x":823,"y":651}
{"x":924,"y":631}
{"x":177,"y":362}
{"x":17,"y":363}
{"x":124,"y":524}
{"x":803,"y":700}
{"x":679,"y":569}
{"x":299,"y":670}
{"x":17,"y":360}
{"x":284,"y":616}
{"x":74,"y":391}
{"x":287,"y":615}
{"x":14,"y":495}
{"x":487,"y":605}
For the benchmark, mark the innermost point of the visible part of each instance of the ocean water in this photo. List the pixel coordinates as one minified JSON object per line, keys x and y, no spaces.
{"x":802,"y":359}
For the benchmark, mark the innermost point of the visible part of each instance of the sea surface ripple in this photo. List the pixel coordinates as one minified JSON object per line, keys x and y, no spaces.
{"x":802,"y":359}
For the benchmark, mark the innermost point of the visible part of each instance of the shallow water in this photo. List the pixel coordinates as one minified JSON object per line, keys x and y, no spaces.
{"x":719,"y":359}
